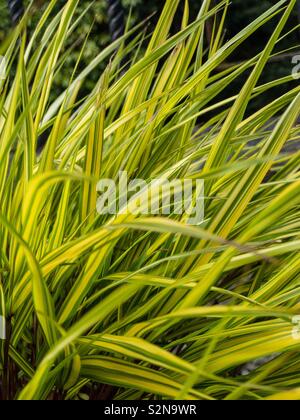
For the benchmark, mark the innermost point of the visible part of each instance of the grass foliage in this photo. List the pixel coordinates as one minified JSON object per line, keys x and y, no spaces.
{"x":132,"y":307}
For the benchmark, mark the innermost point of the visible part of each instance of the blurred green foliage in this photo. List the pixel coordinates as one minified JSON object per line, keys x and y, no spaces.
{"x":242,"y":12}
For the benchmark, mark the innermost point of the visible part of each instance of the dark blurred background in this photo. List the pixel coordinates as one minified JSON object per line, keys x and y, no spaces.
{"x":242,"y":12}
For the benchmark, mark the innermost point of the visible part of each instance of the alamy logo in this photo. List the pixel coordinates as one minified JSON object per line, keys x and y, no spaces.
{"x":160,"y":196}
{"x":296,"y":329}
{"x":296,"y":68}
{"x":2,"y":328}
{"x":3,"y":67}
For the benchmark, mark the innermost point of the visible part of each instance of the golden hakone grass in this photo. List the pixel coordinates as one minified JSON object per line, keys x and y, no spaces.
{"x":139,"y":307}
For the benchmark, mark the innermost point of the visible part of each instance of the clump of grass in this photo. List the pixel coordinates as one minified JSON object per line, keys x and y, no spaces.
{"x":128,"y":306}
